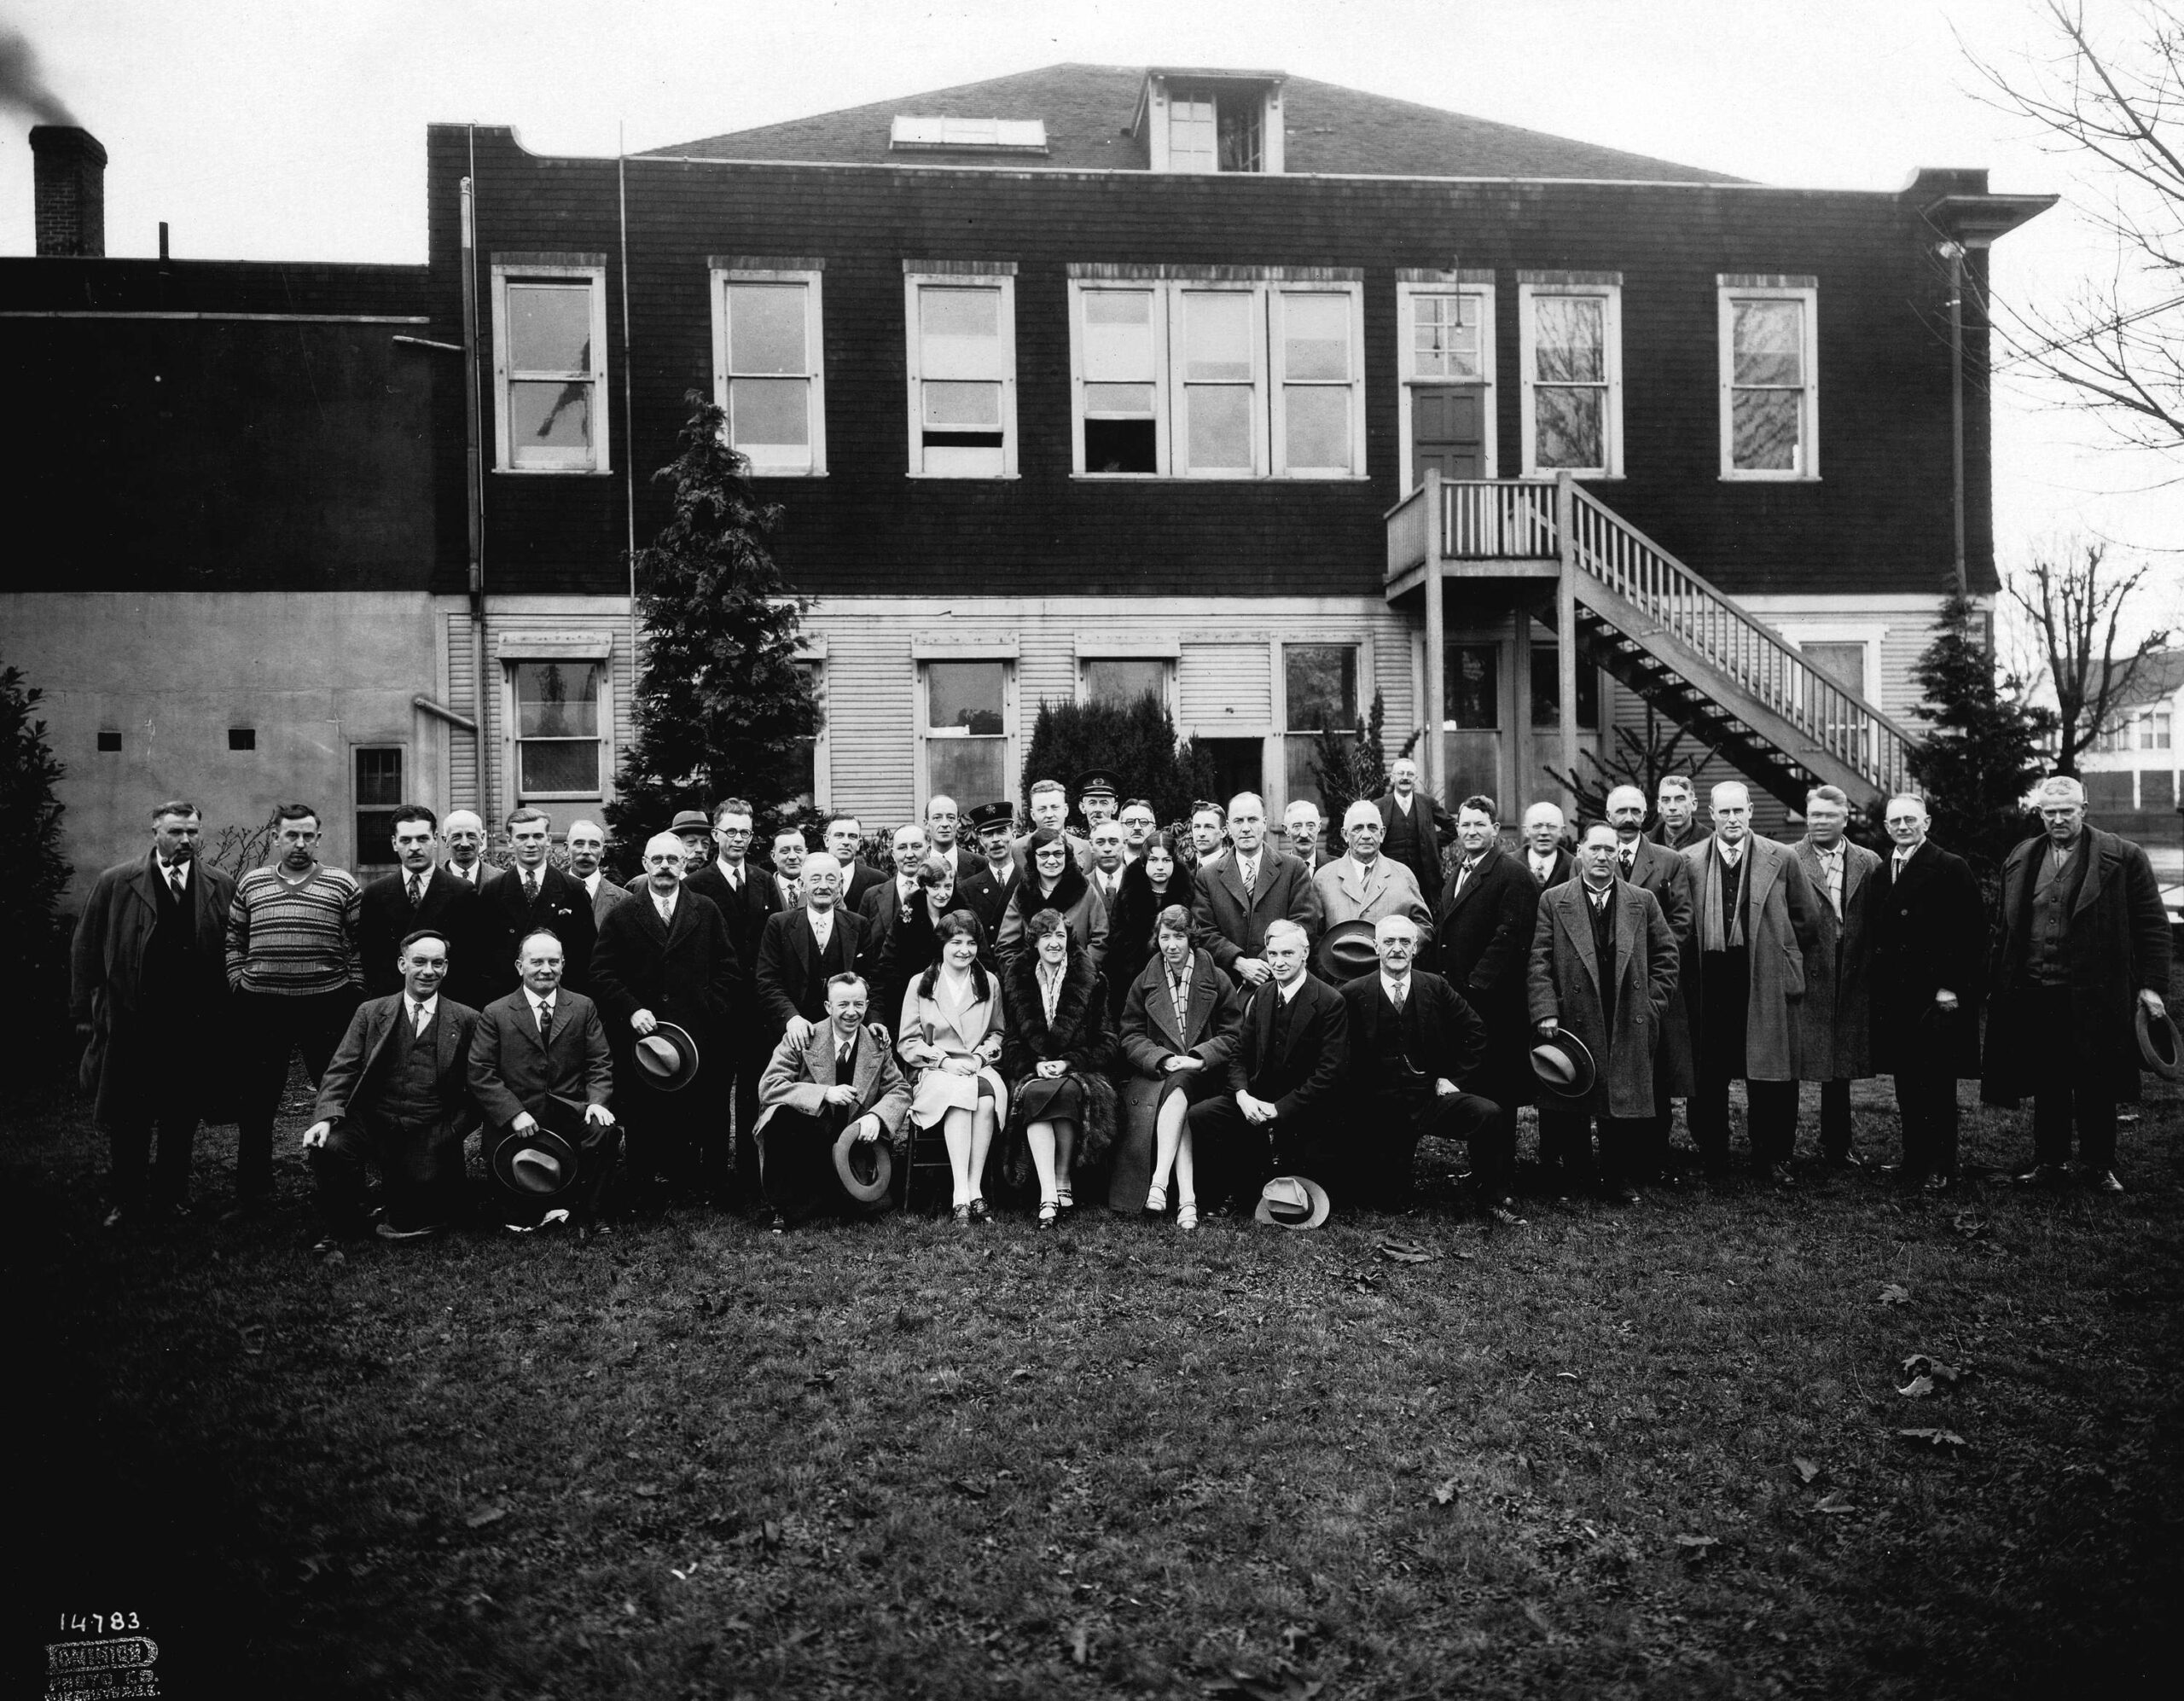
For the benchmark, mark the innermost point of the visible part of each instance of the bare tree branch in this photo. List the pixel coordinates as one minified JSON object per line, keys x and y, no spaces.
{"x":2076,"y":605}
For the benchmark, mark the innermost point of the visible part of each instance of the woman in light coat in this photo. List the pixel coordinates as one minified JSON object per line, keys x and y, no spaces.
{"x":951,"y":1037}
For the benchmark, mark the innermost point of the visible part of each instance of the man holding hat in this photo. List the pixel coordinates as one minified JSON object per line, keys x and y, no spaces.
{"x":832,"y":1095}
{"x":1485,"y":925}
{"x":1655,"y":869}
{"x":396,"y":1095}
{"x":1412,"y":1040}
{"x":1603,"y":971}
{"x":542,"y":1071}
{"x":1364,"y":885}
{"x":671,"y":987}
{"x":2081,"y":968}
{"x":986,"y":891}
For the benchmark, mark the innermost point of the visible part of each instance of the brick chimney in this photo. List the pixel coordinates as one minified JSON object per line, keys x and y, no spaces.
{"x":71,"y":176}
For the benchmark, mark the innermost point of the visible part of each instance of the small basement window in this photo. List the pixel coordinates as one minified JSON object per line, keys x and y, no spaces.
{"x":110,"y":741}
{"x":242,"y":738}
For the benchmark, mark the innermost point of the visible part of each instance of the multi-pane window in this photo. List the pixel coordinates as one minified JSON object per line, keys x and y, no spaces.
{"x":1321,"y":692}
{"x":1447,"y":335}
{"x":1120,"y":679}
{"x":1221,"y":378}
{"x":557,"y":728}
{"x":767,"y":366}
{"x":2154,"y":729}
{"x":1216,"y":132}
{"x":962,"y":375}
{"x":549,"y":367}
{"x":1547,"y":690}
{"x":1471,"y":687}
{"x":1769,"y":387}
{"x":1572,"y":336}
{"x":966,"y":732}
{"x":377,"y":794}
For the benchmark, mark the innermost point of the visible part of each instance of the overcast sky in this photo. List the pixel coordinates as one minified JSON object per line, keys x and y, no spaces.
{"x":265,"y":130}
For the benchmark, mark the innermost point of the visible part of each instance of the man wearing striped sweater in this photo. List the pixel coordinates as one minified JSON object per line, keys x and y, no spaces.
{"x":293,"y":968}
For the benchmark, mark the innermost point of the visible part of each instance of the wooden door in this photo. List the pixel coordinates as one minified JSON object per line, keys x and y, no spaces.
{"x":1448,"y":431}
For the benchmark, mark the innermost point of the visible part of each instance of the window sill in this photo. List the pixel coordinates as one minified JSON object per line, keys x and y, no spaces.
{"x":554,"y":472}
{"x":967,"y":477}
{"x":1729,"y":478}
{"x":1220,"y":478}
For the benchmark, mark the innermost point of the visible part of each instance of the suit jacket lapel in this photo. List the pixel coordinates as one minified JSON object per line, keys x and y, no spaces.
{"x":1577,"y":921}
{"x":2089,"y":889}
{"x":1230,"y":873}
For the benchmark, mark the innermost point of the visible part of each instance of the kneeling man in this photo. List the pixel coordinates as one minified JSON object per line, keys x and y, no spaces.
{"x":544,"y":1043}
{"x":1412,"y":1039}
{"x":396,"y":1095}
{"x":837,"y":1077}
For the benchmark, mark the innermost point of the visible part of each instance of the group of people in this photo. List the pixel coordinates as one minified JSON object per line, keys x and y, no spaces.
{"x":1189,"y":1024}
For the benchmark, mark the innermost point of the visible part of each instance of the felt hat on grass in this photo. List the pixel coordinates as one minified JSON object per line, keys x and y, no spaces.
{"x":1292,"y":1202}
{"x":667,"y":1058}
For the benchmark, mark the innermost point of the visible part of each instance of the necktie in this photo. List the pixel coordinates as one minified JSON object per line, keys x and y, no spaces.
{"x":735,"y":881}
{"x":416,"y":1017}
{"x":174,"y":878}
{"x":546,"y":1022}
{"x":842,"y":1070}
{"x":531,"y":885}
{"x":416,"y":890}
{"x":1629,"y":859}
{"x":1399,"y":990}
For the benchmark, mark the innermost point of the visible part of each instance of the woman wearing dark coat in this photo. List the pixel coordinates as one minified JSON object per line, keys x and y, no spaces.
{"x":1056,"y":1056}
{"x":1150,"y":884}
{"x":1052,"y":880}
{"x":1178,"y":1052}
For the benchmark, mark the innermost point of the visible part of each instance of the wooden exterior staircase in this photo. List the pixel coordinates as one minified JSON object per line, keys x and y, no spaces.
{"x":1683,"y":646}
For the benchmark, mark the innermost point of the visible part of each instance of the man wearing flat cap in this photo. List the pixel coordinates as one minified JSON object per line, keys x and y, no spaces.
{"x":2084,"y":945}
{"x":667,"y":957}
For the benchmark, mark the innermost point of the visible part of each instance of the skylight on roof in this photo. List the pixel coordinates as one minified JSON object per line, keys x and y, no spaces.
{"x":989,"y":135}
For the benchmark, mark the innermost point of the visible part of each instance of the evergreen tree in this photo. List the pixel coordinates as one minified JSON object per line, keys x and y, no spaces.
{"x":34,"y":874}
{"x":1984,"y":753}
{"x":722,"y":705}
{"x":1346,"y":767}
{"x":1135,"y":741}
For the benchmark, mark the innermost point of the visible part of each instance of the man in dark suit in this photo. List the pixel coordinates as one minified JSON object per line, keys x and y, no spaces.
{"x":745,"y":895}
{"x":1678,"y":827}
{"x":1234,"y":901}
{"x":587,"y":843}
{"x":1283,"y":1108}
{"x":1484,"y":930}
{"x":1413,"y":828}
{"x":1304,"y":835}
{"x":906,"y":850}
{"x":2084,"y":942}
{"x":1655,"y":869}
{"x":423,"y":896}
{"x":465,"y":851}
{"x":1929,"y":978}
{"x":1546,"y":858}
{"x":396,"y":1095}
{"x":667,"y":957}
{"x":789,"y":852}
{"x":845,"y":838}
{"x":542,"y":1041}
{"x":535,"y":894}
{"x":1834,"y":1023}
{"x":149,"y":995}
{"x":801,"y":950}
{"x":1412,"y":1040}
{"x":943,"y":825}
{"x":985,"y":893}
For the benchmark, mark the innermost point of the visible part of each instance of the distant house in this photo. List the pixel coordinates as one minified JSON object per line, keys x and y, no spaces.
{"x":2131,"y":772}
{"x":1259,"y":393}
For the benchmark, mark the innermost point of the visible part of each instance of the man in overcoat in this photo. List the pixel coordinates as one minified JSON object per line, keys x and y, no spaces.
{"x":1285,"y":1081}
{"x":587,"y":843}
{"x":1678,"y":828}
{"x":1654,"y":869}
{"x":1928,"y":979}
{"x":1235,"y":900}
{"x":2083,"y":940}
{"x":745,"y":894}
{"x":148,"y":991}
{"x":839,"y":1075}
{"x":421,"y":895}
{"x":1412,"y":1040}
{"x":1484,"y":931}
{"x":667,"y":956}
{"x":1365,"y":885}
{"x":397,"y":1094}
{"x":1603,"y":965}
{"x":533,"y":894}
{"x":1834,"y":1017}
{"x":1546,"y":858}
{"x":1413,"y":828}
{"x":1756,"y":920}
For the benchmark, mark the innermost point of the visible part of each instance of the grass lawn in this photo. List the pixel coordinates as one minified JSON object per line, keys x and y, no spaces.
{"x":905,"y":1460}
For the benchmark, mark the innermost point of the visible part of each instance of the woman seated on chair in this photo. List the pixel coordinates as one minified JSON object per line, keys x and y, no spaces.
{"x":1053,"y":881}
{"x":1179,"y":1029}
{"x":1055,"y":1057}
{"x":1150,"y":884}
{"x":951,"y":1037}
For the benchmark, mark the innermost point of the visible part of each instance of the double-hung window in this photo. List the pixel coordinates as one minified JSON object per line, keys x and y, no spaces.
{"x":1569,"y":327}
{"x":1444,"y":364}
{"x":1180,"y":373}
{"x":549,"y":363}
{"x":965,"y":715}
{"x":961,"y":335}
{"x":769,"y":377}
{"x":1771,"y":384}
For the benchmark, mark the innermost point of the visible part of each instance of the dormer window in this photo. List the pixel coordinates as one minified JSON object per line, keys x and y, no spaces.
{"x":1204,"y":122}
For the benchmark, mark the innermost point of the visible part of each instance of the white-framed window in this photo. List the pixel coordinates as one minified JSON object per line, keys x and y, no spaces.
{"x":1570,"y":331}
{"x":377,"y":771}
{"x":1197,"y":124}
{"x":966,"y":722}
{"x":1319,"y":693}
{"x":560,"y":717}
{"x":961,"y":326}
{"x":1119,"y":680}
{"x":769,"y":370}
{"x":2154,"y":731}
{"x":549,"y":364}
{"x":1444,"y":326}
{"x":1206,"y":377}
{"x":814,"y":790}
{"x":1769,"y":377}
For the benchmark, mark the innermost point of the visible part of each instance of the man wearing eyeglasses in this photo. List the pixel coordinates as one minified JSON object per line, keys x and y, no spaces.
{"x":2085,"y":944}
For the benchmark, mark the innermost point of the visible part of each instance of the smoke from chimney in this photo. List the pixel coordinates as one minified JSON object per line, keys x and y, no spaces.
{"x":22,"y":84}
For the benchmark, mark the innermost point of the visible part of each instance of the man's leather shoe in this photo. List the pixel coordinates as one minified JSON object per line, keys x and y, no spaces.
{"x":115,"y":1217}
{"x":1935,"y":1184}
{"x":1504,"y":1211}
{"x":2104,"y":1181}
{"x":2041,"y":1175}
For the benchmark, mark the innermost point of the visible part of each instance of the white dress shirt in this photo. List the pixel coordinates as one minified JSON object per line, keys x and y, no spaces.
{"x":1396,"y":990}
{"x":541,"y":1008}
{"x":823,"y":924}
{"x":421,"y":1015}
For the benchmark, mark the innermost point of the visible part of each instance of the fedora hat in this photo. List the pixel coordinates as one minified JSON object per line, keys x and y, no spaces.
{"x":864,"y":1168}
{"x":1292,"y":1202}
{"x":689,"y":821}
{"x":1348,"y":953}
{"x":2159,"y":1047}
{"x":668,"y":1058}
{"x":1564,"y":1065}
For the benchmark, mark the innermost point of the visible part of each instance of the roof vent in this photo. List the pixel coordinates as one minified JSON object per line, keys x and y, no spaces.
{"x":944,"y":135}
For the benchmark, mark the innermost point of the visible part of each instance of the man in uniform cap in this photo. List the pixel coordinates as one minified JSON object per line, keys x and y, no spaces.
{"x":986,"y":891}
{"x":1096,"y":797}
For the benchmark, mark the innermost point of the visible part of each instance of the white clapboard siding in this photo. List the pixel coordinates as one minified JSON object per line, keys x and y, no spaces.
{"x":1224,"y":690}
{"x":463,"y":782}
{"x":1391,"y":680}
{"x":871,"y":717}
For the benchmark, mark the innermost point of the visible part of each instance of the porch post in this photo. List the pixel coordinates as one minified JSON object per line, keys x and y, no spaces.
{"x":1436,"y":765}
{"x":1566,"y":631}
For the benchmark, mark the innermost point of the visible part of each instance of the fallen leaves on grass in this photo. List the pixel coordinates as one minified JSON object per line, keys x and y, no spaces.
{"x":1832,"y":1502}
{"x":1933,"y":1438}
{"x":1241,"y":1685}
{"x":1917,"y":1388}
{"x":683,"y":1576}
{"x":820,"y":1378}
{"x":973,"y":1489}
{"x":1079,"y":1644}
{"x":1967,"y":1224}
{"x":484,"y":1516}
{"x":1445,"y":1491}
{"x":1402,"y":1251}
{"x":1808,"y":1471}
{"x":253,"y":1336}
{"x":646,"y":1491}
{"x":1895,"y":1293}
{"x":1698,"y":1547}
{"x":1926,"y":1366}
